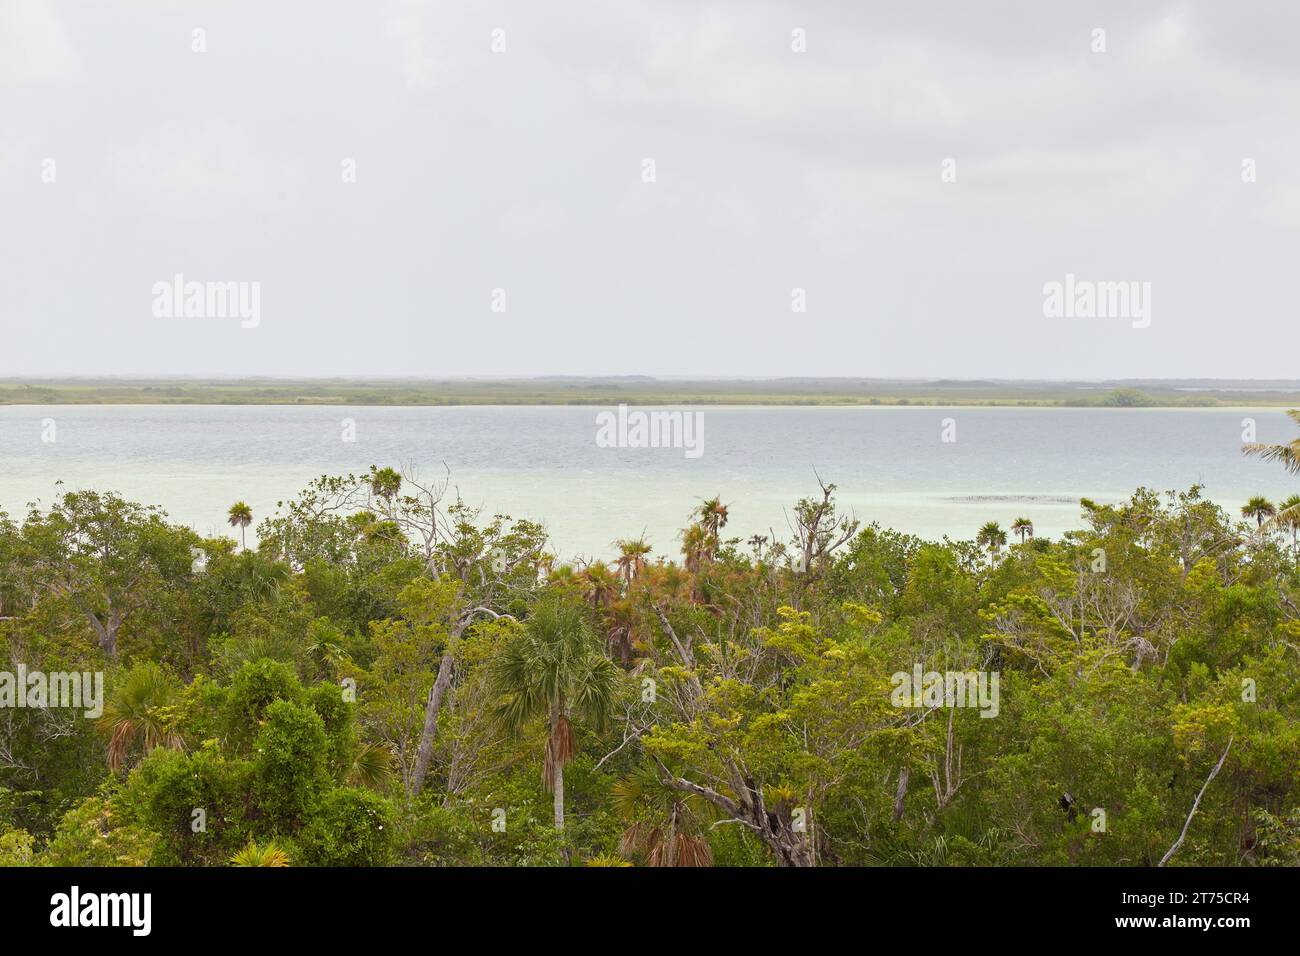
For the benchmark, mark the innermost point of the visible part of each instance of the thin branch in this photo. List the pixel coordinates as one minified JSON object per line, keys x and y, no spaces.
{"x":1195,"y":804}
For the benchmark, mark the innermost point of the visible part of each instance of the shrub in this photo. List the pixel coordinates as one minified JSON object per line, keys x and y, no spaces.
{"x":255,"y":686}
{"x":196,"y":804}
{"x":352,"y":827}
{"x":292,"y":754}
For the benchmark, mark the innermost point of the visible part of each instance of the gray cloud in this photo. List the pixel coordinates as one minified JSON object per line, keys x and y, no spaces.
{"x":522,"y":170}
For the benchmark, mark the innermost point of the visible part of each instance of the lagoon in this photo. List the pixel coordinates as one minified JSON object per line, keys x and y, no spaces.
{"x":892,"y":464}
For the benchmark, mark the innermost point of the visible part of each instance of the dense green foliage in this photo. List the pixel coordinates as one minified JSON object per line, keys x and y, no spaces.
{"x":389,"y":678}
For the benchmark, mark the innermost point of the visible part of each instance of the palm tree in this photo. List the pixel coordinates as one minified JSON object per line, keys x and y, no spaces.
{"x":631,"y":558}
{"x":1259,"y":508}
{"x":621,"y":629}
{"x":1288,"y":454}
{"x":554,"y":669}
{"x":713,"y":516}
{"x":1288,"y":517}
{"x":241,"y":516}
{"x":695,"y":548}
{"x":601,"y":584}
{"x":1022,"y":527}
{"x":385,"y":483}
{"x":674,"y":834}
{"x":139,"y":712}
{"x":991,"y":538}
{"x":267,"y":854}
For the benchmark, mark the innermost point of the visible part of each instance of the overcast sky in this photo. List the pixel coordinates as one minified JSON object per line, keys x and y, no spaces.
{"x":774,"y":170}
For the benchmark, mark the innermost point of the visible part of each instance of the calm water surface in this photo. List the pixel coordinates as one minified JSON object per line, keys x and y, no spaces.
{"x":544,"y":463}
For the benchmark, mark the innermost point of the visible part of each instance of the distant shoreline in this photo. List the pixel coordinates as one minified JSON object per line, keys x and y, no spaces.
{"x":1170,"y":393}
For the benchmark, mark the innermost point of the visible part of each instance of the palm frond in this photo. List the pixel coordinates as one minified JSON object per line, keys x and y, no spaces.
{"x":268,"y":854}
{"x":372,"y":767}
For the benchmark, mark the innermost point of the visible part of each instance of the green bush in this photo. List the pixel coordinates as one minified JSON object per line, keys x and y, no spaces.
{"x":336,"y":714}
{"x":195,"y":802}
{"x":291,"y":764}
{"x":16,"y":848}
{"x":352,"y":827}
{"x":88,"y":835}
{"x":255,"y":686}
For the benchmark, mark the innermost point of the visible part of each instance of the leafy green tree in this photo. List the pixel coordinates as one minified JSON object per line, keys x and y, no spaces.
{"x":109,"y":558}
{"x":767,"y":746}
{"x":16,"y":848}
{"x":196,"y":803}
{"x":252,"y":690}
{"x":87,"y":836}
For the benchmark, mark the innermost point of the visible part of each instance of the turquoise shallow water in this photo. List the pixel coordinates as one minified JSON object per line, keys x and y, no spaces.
{"x":890,"y":464}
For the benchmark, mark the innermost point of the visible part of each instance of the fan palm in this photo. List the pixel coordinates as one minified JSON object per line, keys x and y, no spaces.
{"x":696,"y":548}
{"x":554,"y":669}
{"x":1259,"y":508}
{"x":240,"y":516}
{"x":601,"y":584}
{"x":140,"y":713}
{"x":991,"y":538}
{"x":1288,"y":454}
{"x":631,"y":558}
{"x":385,"y":483}
{"x":1288,"y":516}
{"x":1022,"y":527}
{"x":713,"y":516}
{"x":371,"y":767}
{"x":672,"y":834}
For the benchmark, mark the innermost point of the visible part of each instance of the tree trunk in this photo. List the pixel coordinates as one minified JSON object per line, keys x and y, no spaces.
{"x":559,"y":797}
{"x":557,"y":769}
{"x":672,"y":838}
{"x":791,"y":848}
{"x":425,"y":754}
{"x":106,"y":631}
{"x":901,"y":793}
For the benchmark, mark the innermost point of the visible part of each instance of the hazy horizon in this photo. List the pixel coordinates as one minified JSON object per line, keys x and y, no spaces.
{"x":607,"y":377}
